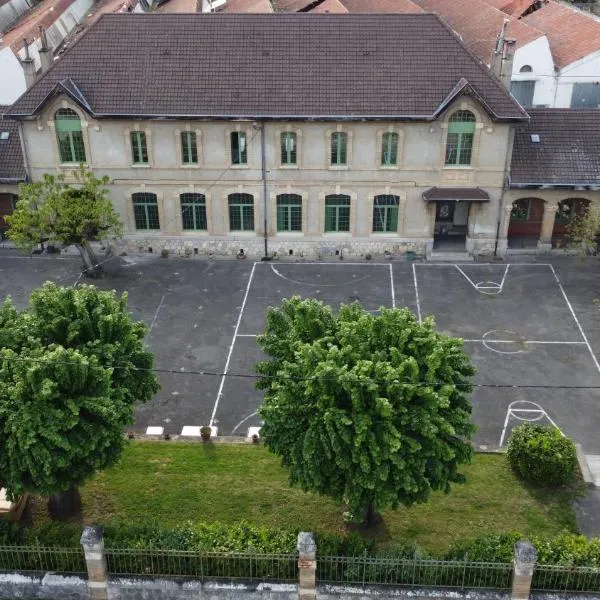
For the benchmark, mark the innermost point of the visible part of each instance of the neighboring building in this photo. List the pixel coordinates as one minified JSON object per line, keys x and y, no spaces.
{"x":57,"y":18}
{"x":12,"y":167}
{"x":365,"y":151}
{"x":555,"y":173}
{"x":11,"y":11}
{"x":234,"y":6}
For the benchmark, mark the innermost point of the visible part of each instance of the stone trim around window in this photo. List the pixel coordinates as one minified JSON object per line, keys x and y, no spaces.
{"x":277,"y":147}
{"x":258,"y":215}
{"x":179,"y":149}
{"x":149,"y":147}
{"x":175,"y":198}
{"x":328,"y":134}
{"x":272,"y":225}
{"x":247,"y":129}
{"x":370,"y":199}
{"x":129,"y":216}
{"x":321,"y":220}
{"x":378,"y":149}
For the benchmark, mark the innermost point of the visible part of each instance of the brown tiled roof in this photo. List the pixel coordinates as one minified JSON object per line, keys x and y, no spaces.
{"x":381,"y":6}
{"x":441,"y":194}
{"x":252,"y":66}
{"x":567,"y":153}
{"x":12,"y":165}
{"x":479,"y":23}
{"x":572,"y":34}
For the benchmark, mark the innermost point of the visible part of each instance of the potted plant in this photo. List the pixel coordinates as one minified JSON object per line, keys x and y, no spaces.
{"x":205,"y":433}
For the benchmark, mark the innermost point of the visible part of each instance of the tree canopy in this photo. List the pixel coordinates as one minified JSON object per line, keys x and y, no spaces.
{"x":372,"y":410}
{"x":72,"y":367}
{"x":66,"y":214}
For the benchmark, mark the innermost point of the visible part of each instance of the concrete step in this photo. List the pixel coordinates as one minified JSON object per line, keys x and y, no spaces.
{"x":451,"y":257}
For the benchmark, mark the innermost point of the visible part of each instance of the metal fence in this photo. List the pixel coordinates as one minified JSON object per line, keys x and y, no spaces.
{"x":41,"y":559}
{"x":555,"y":578}
{"x":203,"y":565}
{"x":369,"y":571}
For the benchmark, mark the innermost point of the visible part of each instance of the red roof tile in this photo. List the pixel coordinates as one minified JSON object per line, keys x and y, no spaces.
{"x":381,"y":6}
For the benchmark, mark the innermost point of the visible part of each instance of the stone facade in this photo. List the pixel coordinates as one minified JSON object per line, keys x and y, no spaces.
{"x":420,"y":165}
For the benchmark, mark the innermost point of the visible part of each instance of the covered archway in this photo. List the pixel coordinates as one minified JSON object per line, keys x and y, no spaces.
{"x":525,"y":224}
{"x":568,"y":210}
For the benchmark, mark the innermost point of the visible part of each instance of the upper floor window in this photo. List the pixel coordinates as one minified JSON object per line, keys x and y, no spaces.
{"x":339,"y":144}
{"x":189,"y":148}
{"x":585,"y":95}
{"x":389,"y":149}
{"x":139,"y":147}
{"x":288,"y":148}
{"x":145,"y":210}
{"x":385,"y":213}
{"x":193,"y":211}
{"x":241,"y":212}
{"x":461,"y":132}
{"x":523,"y":92}
{"x":337,"y":213}
{"x":70,"y":136}
{"x":289,"y":212}
{"x":239,"y":150}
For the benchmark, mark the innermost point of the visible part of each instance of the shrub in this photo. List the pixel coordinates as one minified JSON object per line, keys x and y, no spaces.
{"x":542,"y":455}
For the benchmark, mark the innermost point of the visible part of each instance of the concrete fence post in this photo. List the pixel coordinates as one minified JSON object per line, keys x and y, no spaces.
{"x":525,"y":558}
{"x":307,"y":566}
{"x":92,"y":540}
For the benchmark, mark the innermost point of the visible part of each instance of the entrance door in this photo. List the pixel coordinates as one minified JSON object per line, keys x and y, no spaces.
{"x":444,"y":217}
{"x":451,"y":219}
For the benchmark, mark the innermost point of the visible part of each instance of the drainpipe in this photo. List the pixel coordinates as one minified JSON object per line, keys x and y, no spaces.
{"x":507,"y":165}
{"x":264,"y":183}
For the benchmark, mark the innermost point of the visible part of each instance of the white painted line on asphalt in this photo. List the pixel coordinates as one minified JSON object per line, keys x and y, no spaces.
{"x":562,"y":289}
{"x":156,"y":313}
{"x":417,"y":293}
{"x":252,"y":335}
{"x":523,"y":342}
{"x":243,"y":421}
{"x":392,"y":285}
{"x":237,"y":326}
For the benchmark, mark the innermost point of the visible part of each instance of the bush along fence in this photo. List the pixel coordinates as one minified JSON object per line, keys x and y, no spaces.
{"x":306,"y":573}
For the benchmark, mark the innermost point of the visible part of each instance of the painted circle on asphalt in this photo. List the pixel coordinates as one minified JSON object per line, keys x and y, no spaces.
{"x":525,"y":410}
{"x":504,"y":341}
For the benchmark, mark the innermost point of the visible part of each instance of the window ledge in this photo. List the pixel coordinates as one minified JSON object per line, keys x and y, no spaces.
{"x":290,"y":233}
{"x":337,"y":233}
{"x":71,"y":165}
{"x":338,"y":167}
{"x":458,"y":168}
{"x":388,"y":167}
{"x":191,"y":166}
{"x":190,"y":232}
{"x":140,"y":166}
{"x":246,"y":166}
{"x":289,"y":166}
{"x":382,"y":233}
{"x":245,"y":233}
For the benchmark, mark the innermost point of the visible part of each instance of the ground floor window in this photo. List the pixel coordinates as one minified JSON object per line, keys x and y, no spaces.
{"x":289,"y":212}
{"x":193,"y":211}
{"x":520,"y":210}
{"x":241,"y":212}
{"x":385,"y":213}
{"x":337,"y":213}
{"x":145,"y":211}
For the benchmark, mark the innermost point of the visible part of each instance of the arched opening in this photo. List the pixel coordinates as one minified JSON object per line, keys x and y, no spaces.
{"x":69,"y":136}
{"x":459,"y":142}
{"x":568,"y":210}
{"x":525,"y":223}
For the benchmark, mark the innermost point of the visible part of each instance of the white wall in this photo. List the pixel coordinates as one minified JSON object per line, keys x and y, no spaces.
{"x":537,"y":54}
{"x":582,"y":71}
{"x":12,"y":78}
{"x":11,"y":11}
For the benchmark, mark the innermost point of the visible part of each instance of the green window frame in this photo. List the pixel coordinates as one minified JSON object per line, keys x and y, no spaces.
{"x":339,"y":148}
{"x":139,"y":147}
{"x":189,"y":148}
{"x":241,"y":212}
{"x":239,"y":148}
{"x":459,"y":143}
{"x":193,"y":212}
{"x":385,"y":213}
{"x":520,"y":210}
{"x":289,"y":212}
{"x":289,"y":146}
{"x":145,"y":210}
{"x":569,"y":209}
{"x":389,"y":149}
{"x":69,"y":134}
{"x":337,"y":213}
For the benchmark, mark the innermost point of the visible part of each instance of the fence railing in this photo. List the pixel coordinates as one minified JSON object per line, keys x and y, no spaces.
{"x":203,"y":565}
{"x":368,"y":571}
{"x":42,"y":559}
{"x":558,"y":578}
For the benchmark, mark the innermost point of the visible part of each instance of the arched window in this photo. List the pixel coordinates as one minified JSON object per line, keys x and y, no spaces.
{"x":385,"y":213}
{"x":70,"y":137}
{"x":241,"y":212}
{"x":569,"y":209}
{"x":193,"y":211}
{"x":145,"y":211}
{"x":525,"y":69}
{"x":459,"y":144}
{"x":289,"y":212}
{"x":337,"y":213}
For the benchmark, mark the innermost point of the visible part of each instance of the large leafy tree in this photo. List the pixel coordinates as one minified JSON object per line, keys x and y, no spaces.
{"x":72,"y":367}
{"x":584,"y":231}
{"x":67,"y":214}
{"x":370,"y":410}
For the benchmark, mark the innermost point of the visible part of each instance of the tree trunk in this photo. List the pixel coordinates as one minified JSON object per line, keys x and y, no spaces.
{"x":372,"y":517}
{"x":91,"y":267}
{"x":65,"y":505}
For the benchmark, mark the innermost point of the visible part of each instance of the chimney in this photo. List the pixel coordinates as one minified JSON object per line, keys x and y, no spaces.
{"x":28,"y":66}
{"x":507,"y":62}
{"x":46,"y":54}
{"x":496,"y":63}
{"x":503,"y":56}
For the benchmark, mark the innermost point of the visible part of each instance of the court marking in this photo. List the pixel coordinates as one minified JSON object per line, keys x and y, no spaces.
{"x":516,"y":413}
{"x":243,"y":421}
{"x":486,"y":287}
{"x":392,"y":286}
{"x":414,"y":270}
{"x":156,"y":314}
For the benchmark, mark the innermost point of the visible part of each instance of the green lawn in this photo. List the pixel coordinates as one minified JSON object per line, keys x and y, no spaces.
{"x":174,"y":482}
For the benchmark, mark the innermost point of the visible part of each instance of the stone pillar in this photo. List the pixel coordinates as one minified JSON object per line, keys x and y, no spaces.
{"x":307,"y":566}
{"x":545,"y":242}
{"x":524,"y":564}
{"x":503,"y":232}
{"x":29,"y":69}
{"x":92,"y":541}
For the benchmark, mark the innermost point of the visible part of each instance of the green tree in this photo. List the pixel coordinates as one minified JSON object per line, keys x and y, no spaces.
{"x":370,"y":410}
{"x":66,"y":214}
{"x":584,"y":231}
{"x":72,"y":370}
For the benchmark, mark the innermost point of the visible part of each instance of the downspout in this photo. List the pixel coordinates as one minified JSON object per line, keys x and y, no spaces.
{"x":507,"y":163}
{"x":264,"y":184}
{"x":24,"y":150}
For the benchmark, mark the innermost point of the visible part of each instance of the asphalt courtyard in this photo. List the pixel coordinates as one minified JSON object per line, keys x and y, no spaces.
{"x":531,"y":327}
